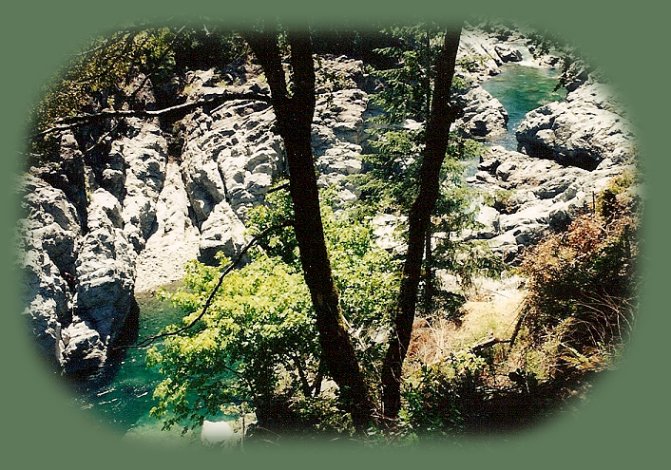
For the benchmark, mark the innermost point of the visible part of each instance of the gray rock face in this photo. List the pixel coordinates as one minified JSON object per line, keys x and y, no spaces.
{"x":385,"y":228}
{"x":232,"y":157}
{"x":478,"y":49}
{"x":581,"y":131}
{"x":490,"y":223}
{"x":79,"y":283}
{"x":82,"y":349}
{"x":52,"y":222}
{"x":483,"y":114}
{"x":48,"y":251}
{"x":105,"y":269}
{"x":145,"y":156}
{"x":507,"y":53}
{"x":47,"y":299}
{"x":337,"y":136}
{"x":147,"y":213}
{"x":221,"y":232}
{"x":175,"y":240}
{"x":540,"y":195}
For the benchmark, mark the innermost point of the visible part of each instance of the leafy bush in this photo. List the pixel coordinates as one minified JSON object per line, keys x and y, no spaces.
{"x":472,"y":63}
{"x":260,"y":318}
{"x":437,"y":396}
{"x":503,"y":200}
{"x":257,"y":343}
{"x":110,"y":65}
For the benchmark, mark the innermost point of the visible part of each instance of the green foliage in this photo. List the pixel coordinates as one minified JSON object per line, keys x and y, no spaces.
{"x":259,"y":319}
{"x":620,"y":196}
{"x":391,"y":169}
{"x":107,"y":68}
{"x":281,"y":243}
{"x":102,"y":77}
{"x":502,"y":200}
{"x":406,"y":89}
{"x":436,"y":397}
{"x":257,"y":343}
{"x":106,"y":75}
{"x":206,"y":47}
{"x":472,"y":63}
{"x":390,"y":183}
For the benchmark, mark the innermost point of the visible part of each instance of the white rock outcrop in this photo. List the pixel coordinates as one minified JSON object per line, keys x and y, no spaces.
{"x":584,"y":130}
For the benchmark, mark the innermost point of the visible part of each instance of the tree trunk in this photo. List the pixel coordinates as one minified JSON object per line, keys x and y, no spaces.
{"x":429,"y":281}
{"x":437,"y":134}
{"x":294,"y":120}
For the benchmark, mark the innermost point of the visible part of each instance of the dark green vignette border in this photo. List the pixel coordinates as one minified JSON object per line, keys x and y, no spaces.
{"x":623,"y":424}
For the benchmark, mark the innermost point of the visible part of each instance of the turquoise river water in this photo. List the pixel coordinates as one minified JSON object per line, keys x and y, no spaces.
{"x":520,"y":89}
{"x":122,"y":397}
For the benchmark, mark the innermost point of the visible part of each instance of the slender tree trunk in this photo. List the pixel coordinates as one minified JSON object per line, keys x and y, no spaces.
{"x":429,"y":286}
{"x":428,"y":249}
{"x":294,"y":120}
{"x":437,"y":134}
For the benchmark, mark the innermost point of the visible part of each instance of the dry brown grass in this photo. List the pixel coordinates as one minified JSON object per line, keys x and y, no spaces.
{"x":491,"y":311}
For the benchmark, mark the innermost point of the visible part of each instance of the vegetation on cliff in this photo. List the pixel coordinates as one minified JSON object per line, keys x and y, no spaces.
{"x":313,"y":325}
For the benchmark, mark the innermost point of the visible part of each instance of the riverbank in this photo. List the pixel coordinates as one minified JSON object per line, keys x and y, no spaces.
{"x":103,"y":232}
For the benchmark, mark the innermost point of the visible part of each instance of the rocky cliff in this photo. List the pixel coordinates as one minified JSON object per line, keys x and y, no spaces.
{"x":97,"y":229}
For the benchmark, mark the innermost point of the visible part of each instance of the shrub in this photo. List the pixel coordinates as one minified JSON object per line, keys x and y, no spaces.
{"x":503,"y":200}
{"x":256,"y":345}
{"x":582,"y":285}
{"x":439,"y":396}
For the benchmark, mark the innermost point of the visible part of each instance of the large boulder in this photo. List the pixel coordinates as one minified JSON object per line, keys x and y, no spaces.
{"x":483,"y":115}
{"x":533,"y":195}
{"x":508,"y":53}
{"x":221,"y":232}
{"x":82,"y":348}
{"x":581,"y":131}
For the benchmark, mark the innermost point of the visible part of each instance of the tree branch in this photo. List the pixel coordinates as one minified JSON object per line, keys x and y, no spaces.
{"x":511,"y":341}
{"x":67,"y":123}
{"x":278,"y":188}
{"x":167,"y":50}
{"x":147,"y":341}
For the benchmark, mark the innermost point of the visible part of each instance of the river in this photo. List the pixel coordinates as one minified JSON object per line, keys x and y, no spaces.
{"x":122,"y":397}
{"x":520,"y":89}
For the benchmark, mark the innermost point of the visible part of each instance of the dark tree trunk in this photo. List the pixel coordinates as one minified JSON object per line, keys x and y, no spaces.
{"x":294,"y":114}
{"x":437,"y":134}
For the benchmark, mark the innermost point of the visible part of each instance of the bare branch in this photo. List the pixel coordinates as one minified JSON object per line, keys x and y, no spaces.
{"x":184,"y":108}
{"x":492,"y":341}
{"x":147,"y":341}
{"x":278,"y":188}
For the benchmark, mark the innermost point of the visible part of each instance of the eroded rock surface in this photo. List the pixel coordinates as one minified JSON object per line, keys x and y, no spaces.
{"x":584,"y":130}
{"x":130,"y":220}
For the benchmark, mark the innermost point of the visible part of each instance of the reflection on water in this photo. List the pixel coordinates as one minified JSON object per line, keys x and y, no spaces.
{"x":520,"y":89}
